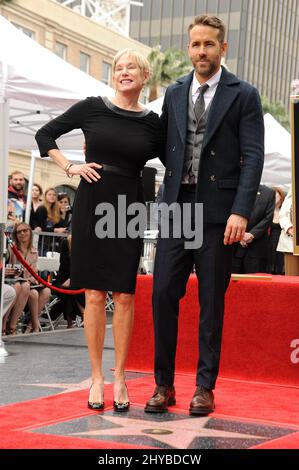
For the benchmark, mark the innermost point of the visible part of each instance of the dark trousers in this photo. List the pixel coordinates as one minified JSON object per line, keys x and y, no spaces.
{"x":249,"y":265}
{"x":173,"y":265}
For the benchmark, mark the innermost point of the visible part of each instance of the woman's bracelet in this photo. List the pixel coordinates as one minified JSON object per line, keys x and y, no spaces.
{"x":67,"y":168}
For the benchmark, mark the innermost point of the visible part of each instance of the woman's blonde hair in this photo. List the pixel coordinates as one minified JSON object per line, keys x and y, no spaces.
{"x":141,"y":61}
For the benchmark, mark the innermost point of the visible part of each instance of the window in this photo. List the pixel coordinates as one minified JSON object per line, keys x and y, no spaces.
{"x":84,"y":62}
{"x":156,"y":10}
{"x":135,"y":13}
{"x":224,"y":6}
{"x":235,"y":5}
{"x":26,"y":31}
{"x":106,"y":73}
{"x":200,"y":7}
{"x":189,"y":8}
{"x":146,"y":10}
{"x":167,"y":9}
{"x":212,"y":6}
{"x":177,"y":8}
{"x":233,"y":40}
{"x":60,"y":50}
{"x":165,"y":42}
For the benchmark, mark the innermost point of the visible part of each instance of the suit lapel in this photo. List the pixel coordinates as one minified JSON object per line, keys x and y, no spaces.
{"x":225,"y":95}
{"x":180,"y":97}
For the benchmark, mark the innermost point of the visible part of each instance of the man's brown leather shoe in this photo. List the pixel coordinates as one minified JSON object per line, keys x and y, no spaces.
{"x":163,"y":397}
{"x":202,"y":402}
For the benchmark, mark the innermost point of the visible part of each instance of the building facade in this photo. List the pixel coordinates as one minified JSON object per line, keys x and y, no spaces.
{"x":78,"y":40}
{"x":263,"y":36}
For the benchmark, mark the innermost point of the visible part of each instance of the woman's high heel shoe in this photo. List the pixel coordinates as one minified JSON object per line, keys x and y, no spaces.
{"x":97,"y":406}
{"x":120,"y":406}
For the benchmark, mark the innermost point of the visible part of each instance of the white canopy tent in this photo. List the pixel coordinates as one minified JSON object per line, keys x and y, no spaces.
{"x":39,"y":86}
{"x":35,"y":86}
{"x":278,"y":154}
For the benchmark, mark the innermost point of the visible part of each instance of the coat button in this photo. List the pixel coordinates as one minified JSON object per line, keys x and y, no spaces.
{"x":173,"y":149}
{"x":212,"y":153}
{"x":212,"y":178}
{"x":170,"y":173}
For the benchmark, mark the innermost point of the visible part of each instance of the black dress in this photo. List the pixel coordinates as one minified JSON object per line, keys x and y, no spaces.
{"x":123,"y":139}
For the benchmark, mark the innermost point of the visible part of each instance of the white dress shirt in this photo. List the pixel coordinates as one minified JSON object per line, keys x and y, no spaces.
{"x":209,"y":94}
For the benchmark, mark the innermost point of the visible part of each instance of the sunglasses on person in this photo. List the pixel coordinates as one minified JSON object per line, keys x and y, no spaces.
{"x":23,"y":230}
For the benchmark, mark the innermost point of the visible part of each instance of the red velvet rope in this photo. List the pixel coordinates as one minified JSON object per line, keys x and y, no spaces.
{"x":38,"y":278}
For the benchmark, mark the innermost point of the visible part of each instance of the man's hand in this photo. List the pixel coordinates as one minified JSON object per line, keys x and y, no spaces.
{"x":235,"y":229}
{"x":248,"y":238}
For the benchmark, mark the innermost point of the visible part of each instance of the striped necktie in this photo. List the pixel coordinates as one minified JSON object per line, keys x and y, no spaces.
{"x":199,"y":106}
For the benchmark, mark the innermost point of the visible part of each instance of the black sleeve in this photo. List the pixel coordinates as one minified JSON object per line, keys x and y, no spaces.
{"x":164,"y":126}
{"x":262,"y":226}
{"x":41,"y":216}
{"x":73,"y":118}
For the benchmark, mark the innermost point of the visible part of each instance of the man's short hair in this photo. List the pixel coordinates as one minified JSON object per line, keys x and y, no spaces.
{"x":212,"y":21}
{"x":17,"y":172}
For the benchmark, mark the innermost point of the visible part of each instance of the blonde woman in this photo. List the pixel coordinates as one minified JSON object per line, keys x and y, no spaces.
{"x":48,"y":214}
{"x":120,"y":135}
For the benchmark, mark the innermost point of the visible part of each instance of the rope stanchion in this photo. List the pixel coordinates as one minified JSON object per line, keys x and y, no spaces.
{"x":37,"y":277}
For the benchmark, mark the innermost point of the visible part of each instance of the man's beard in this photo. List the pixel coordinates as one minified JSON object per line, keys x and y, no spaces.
{"x":212,"y":68}
{"x":19,"y":187}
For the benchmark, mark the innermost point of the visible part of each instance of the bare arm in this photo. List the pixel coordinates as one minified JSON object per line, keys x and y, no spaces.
{"x":86,"y":170}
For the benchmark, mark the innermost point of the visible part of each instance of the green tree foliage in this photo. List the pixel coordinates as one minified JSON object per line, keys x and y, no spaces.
{"x":166,"y":67}
{"x":277,"y":110}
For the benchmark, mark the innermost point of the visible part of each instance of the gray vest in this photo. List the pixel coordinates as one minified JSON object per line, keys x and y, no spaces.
{"x":194,"y":140}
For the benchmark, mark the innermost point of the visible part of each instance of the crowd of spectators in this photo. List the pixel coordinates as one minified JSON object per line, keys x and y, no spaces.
{"x":265,"y":248}
{"x":50,"y":211}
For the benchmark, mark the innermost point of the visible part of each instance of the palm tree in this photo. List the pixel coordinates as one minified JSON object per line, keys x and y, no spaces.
{"x":166,"y":67}
{"x":277,"y":110}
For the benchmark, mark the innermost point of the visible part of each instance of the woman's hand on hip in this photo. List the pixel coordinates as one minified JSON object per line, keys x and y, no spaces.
{"x":87,"y":171}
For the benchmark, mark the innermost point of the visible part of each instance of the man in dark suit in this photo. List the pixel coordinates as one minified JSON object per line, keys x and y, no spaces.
{"x":250,"y":255}
{"x":213,"y":155}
